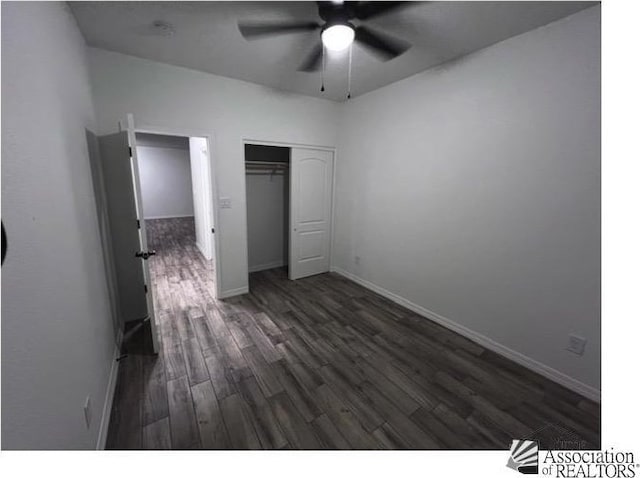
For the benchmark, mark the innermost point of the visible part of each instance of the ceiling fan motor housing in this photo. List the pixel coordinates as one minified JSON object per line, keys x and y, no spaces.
{"x":336,"y":13}
{"x":333,"y":24}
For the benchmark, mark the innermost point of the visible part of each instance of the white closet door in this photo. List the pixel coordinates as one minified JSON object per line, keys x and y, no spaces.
{"x":310,"y":225}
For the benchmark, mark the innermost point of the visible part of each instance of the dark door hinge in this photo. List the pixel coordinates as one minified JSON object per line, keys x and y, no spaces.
{"x":138,"y":222}
{"x":130,"y":152}
{"x":146,"y":289}
{"x":213,"y":230}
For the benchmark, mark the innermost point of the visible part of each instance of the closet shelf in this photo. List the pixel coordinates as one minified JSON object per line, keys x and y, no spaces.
{"x":265,"y":167}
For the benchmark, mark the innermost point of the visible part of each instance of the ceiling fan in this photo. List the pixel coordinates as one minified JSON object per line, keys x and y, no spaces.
{"x":337,"y":32}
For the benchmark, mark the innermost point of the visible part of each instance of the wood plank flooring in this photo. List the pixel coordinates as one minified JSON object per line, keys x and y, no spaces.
{"x":320,"y":363}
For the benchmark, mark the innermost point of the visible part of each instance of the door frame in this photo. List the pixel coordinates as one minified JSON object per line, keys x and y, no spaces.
{"x":262,"y":142}
{"x":212,"y":181}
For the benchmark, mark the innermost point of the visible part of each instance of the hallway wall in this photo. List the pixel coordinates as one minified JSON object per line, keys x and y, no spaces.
{"x":165,"y":179}
{"x":57,"y":332}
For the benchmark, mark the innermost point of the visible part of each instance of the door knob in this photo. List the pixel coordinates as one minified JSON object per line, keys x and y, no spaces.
{"x":145,"y":254}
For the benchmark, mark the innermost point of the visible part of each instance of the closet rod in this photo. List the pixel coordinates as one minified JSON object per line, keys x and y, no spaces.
{"x":265,"y":173}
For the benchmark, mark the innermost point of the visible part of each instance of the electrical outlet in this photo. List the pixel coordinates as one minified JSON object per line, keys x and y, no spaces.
{"x":225,"y":203}
{"x":576,"y":344}
{"x":356,"y":259}
{"x":87,"y":411}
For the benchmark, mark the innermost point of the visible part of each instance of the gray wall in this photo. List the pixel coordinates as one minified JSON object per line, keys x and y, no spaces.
{"x":165,"y":180}
{"x":57,"y":335}
{"x":473,"y":191}
{"x":267,"y":220}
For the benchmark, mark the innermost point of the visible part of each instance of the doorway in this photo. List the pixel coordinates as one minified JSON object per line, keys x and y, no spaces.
{"x":175,"y":189}
{"x":157,"y":207}
{"x":174,"y":172}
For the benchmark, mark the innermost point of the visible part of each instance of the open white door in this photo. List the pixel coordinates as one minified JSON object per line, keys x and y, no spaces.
{"x":126,"y":221}
{"x":311,"y":173}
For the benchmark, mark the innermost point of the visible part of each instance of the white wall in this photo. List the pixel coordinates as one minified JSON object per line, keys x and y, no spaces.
{"x":57,"y":335}
{"x":165,"y":180}
{"x":267,"y":220}
{"x":473,"y":190}
{"x":183,"y":100}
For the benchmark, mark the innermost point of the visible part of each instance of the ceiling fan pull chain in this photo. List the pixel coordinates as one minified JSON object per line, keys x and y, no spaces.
{"x":349,"y":77}
{"x":323,"y":67}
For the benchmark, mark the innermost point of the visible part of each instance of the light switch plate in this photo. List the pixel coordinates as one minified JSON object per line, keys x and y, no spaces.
{"x":225,"y":203}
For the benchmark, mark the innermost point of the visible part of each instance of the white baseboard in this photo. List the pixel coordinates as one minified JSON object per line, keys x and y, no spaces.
{"x":264,"y":267}
{"x":225,"y":294}
{"x":577,"y":386}
{"x":108,"y":400}
{"x":169,"y":217}
{"x":201,"y":249}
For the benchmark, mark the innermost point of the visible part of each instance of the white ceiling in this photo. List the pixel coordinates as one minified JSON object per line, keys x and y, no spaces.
{"x":206,"y":38}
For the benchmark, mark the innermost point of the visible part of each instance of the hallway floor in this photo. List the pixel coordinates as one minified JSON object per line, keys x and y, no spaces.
{"x":320,"y":363}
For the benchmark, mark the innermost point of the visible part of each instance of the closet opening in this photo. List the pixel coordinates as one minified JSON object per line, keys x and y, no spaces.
{"x":289,"y":192}
{"x":267,"y":188}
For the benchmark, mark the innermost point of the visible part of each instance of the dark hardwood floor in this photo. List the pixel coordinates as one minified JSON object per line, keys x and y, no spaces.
{"x":320,"y":363}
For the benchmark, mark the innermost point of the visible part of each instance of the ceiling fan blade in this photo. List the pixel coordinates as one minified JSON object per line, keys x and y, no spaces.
{"x":313,"y":60}
{"x":367,"y":10}
{"x":383,"y":46}
{"x":253,"y":30}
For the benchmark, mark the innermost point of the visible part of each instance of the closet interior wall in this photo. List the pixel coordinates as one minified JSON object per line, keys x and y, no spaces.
{"x":267,"y":185}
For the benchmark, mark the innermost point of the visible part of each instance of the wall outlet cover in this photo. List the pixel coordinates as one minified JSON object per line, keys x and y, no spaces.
{"x":576,"y":344}
{"x":225,"y":203}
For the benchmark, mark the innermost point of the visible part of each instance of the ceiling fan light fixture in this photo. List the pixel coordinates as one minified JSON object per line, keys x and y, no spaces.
{"x":338,"y":37}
